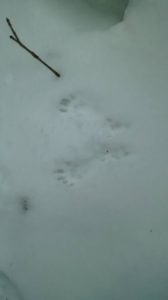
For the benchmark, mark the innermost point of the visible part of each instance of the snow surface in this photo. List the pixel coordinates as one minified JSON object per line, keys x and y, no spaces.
{"x":83,"y":158}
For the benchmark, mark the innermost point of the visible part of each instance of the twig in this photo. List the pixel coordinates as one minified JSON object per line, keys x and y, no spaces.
{"x":15,"y":38}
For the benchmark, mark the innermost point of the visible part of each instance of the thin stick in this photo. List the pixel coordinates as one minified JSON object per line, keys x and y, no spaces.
{"x":12,"y":29}
{"x":15,"y":38}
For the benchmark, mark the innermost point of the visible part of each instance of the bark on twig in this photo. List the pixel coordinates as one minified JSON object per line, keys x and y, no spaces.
{"x":15,"y":38}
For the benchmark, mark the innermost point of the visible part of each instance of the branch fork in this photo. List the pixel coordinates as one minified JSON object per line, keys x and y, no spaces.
{"x":15,"y":38}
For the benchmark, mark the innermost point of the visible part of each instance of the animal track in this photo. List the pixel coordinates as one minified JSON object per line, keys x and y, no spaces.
{"x":65,"y":103}
{"x":63,"y":176}
{"x":89,"y":138}
{"x":70,"y":171}
{"x":24,"y":203}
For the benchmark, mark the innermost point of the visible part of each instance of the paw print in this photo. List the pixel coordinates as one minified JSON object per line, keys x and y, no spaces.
{"x":25,"y":203}
{"x":62,"y":176}
{"x":65,"y":103}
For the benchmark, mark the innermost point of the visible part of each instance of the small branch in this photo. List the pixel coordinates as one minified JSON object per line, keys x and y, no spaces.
{"x":15,"y":38}
{"x":12,"y":29}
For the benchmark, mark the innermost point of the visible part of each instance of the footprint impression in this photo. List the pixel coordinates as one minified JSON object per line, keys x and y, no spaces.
{"x":89,"y":137}
{"x":65,"y":103}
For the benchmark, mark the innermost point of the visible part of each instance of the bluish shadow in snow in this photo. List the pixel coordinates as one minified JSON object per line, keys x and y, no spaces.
{"x":114,"y":7}
{"x":89,"y":14}
{"x":8,"y":289}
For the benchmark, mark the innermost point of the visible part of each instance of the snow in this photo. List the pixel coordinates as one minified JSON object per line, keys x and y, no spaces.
{"x":7,"y":289}
{"x":83,"y":158}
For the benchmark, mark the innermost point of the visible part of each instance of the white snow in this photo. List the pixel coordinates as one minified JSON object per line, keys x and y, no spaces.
{"x":83,"y":158}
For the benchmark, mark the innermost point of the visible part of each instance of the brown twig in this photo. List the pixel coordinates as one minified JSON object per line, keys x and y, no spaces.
{"x":15,"y":38}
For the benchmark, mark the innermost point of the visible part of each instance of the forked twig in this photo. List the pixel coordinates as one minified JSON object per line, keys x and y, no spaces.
{"x":15,"y":38}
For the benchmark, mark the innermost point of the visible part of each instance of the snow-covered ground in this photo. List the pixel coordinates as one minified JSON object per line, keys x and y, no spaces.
{"x":83,"y":158}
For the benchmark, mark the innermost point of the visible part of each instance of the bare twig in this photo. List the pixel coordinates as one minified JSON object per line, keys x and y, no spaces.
{"x":15,"y":38}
